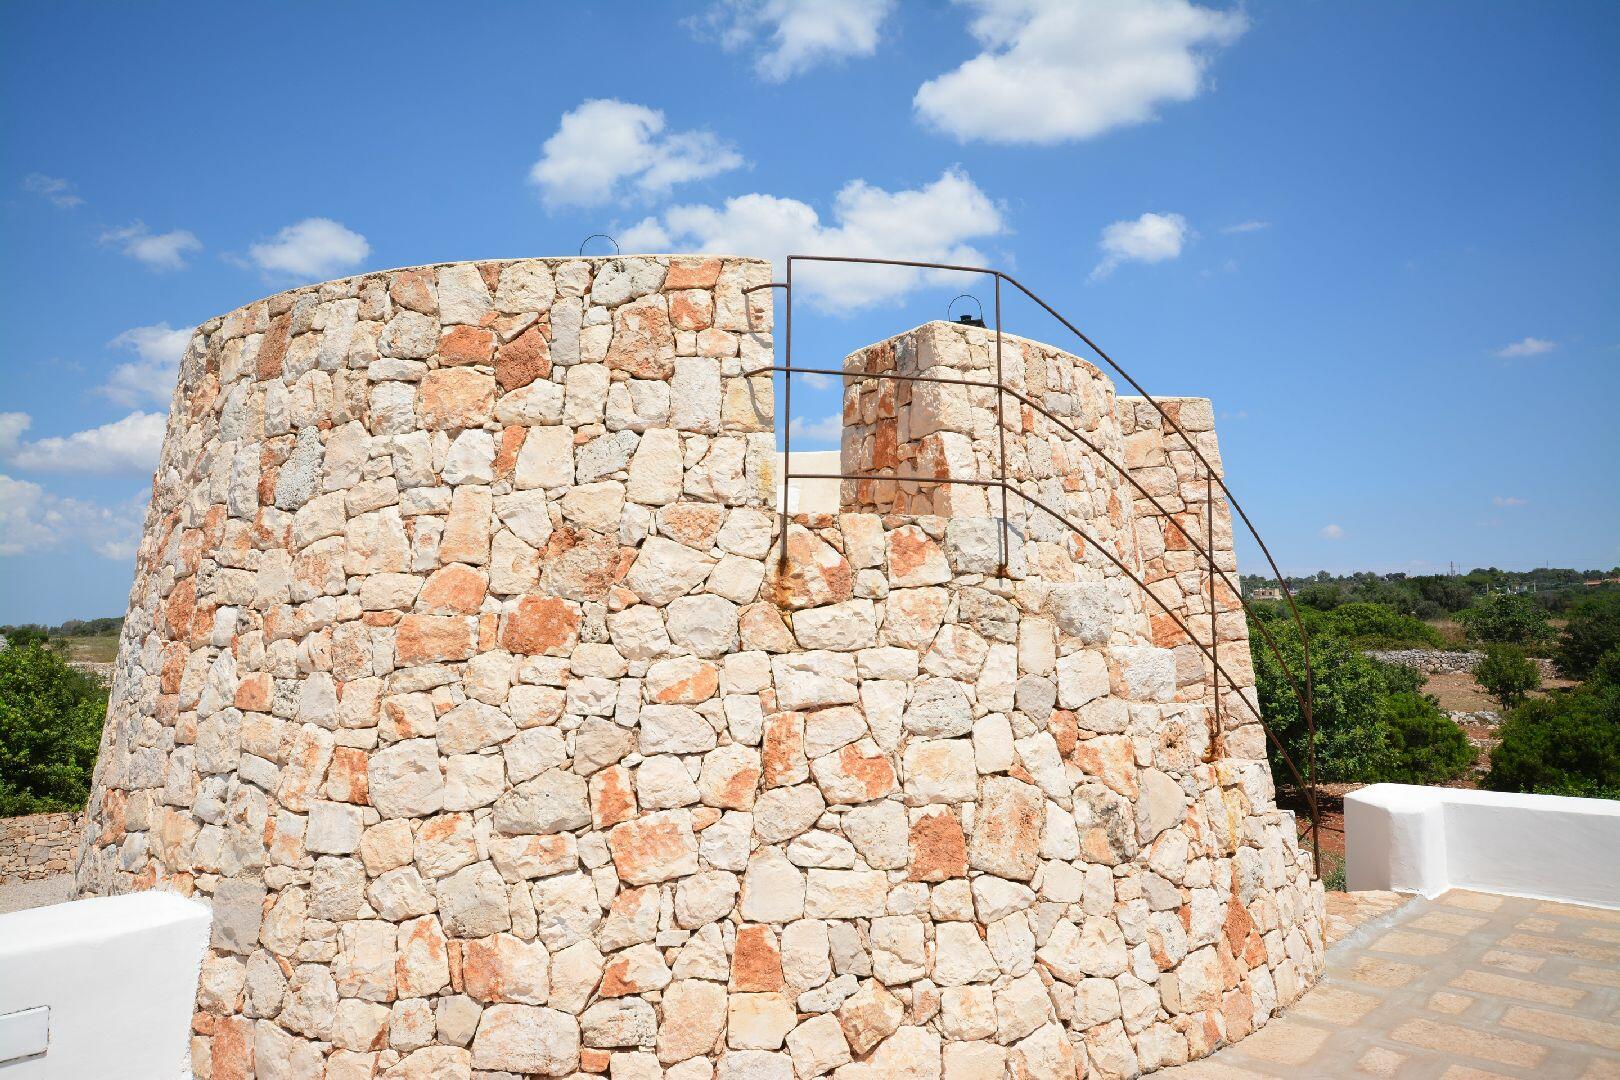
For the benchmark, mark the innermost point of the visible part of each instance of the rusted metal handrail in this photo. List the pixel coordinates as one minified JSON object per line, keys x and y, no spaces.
{"x":1303,"y":695}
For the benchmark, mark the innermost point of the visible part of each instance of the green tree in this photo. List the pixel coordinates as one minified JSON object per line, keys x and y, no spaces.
{"x":1506,"y":619}
{"x":21,"y":637}
{"x":1349,"y":690}
{"x":1567,"y":743}
{"x":1507,"y":675}
{"x":1322,"y":597}
{"x":50,"y":729}
{"x":1427,"y":747}
{"x":1593,"y":629}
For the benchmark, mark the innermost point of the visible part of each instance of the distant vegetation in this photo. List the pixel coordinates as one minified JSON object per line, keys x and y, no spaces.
{"x":50,"y":728}
{"x":1372,"y":722}
{"x":1567,"y":743}
{"x":1440,"y":596}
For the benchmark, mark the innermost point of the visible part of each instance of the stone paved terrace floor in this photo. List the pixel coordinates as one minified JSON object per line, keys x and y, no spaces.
{"x":1469,"y":986}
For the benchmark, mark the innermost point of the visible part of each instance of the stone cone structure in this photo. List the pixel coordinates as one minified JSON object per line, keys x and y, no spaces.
{"x":462,"y":678}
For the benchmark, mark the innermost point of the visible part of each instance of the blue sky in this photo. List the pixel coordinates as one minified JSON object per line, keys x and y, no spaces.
{"x":1382,"y":236}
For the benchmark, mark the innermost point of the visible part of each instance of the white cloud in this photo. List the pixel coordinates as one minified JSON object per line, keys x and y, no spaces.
{"x":1332,"y":532}
{"x":1508,"y":500}
{"x":160,"y":251}
{"x":32,"y":519}
{"x":817,"y":381}
{"x":1246,"y":226}
{"x":799,"y":34}
{"x":316,"y":247}
{"x":53,"y":189}
{"x":1530,"y":346}
{"x":931,"y":223}
{"x":151,"y":377}
{"x":605,"y":146}
{"x":128,"y":445}
{"x":12,"y":425}
{"x":1150,"y":238}
{"x":829,"y":429}
{"x":1055,"y":70}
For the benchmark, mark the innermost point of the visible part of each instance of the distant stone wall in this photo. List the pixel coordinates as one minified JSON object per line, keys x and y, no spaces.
{"x":1449,"y":662}
{"x":38,"y":846}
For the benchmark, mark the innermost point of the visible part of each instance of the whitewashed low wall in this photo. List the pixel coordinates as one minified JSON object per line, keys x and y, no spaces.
{"x":1427,"y":840}
{"x":100,"y":987}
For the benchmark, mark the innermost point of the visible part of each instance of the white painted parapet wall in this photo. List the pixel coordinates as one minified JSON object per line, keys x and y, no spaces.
{"x":100,"y":987}
{"x":1427,"y":840}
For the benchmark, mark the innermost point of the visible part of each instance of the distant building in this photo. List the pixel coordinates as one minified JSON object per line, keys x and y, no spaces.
{"x":1265,"y":592}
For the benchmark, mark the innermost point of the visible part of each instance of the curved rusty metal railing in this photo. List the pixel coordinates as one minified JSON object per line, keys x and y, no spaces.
{"x":1303,"y":694}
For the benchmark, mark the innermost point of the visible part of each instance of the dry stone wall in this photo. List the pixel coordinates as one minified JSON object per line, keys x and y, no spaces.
{"x":38,"y":845}
{"x":463,"y":678}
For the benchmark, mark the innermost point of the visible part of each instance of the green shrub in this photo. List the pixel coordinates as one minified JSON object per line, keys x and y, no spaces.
{"x":1321,"y":597}
{"x":50,"y":729}
{"x":1506,"y":619}
{"x":1349,"y":690}
{"x":1374,"y":626}
{"x":1593,"y":629}
{"x":1426,"y":745}
{"x":1507,"y":675}
{"x":1567,"y":743}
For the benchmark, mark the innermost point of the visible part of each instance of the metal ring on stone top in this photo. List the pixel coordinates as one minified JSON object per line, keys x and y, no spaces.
{"x":603,"y":236}
{"x":965,"y":296}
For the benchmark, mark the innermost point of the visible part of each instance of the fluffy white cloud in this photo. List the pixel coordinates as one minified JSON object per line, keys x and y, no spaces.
{"x":828,"y":429}
{"x":53,"y":189}
{"x":32,"y":519}
{"x":606,"y":147}
{"x":817,"y":381}
{"x":1054,"y":70}
{"x":316,"y":247}
{"x":1530,"y":346}
{"x":1150,"y":238}
{"x":1332,"y":532}
{"x":1508,"y":500}
{"x":794,"y":36}
{"x":932,"y":223}
{"x":160,"y":251}
{"x":150,"y":377}
{"x":128,"y":445}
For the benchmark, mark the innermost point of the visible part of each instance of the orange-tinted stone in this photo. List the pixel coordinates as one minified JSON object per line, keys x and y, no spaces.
{"x":455,"y":398}
{"x":692,"y":274}
{"x":273,"y":349}
{"x":253,"y":692}
{"x":347,"y":778}
{"x":511,"y":445}
{"x":783,"y":757}
{"x":756,"y":963}
{"x":180,"y":607}
{"x":541,"y":624}
{"x":413,"y":289}
{"x":466,"y":345}
{"x":522,"y":360}
{"x":429,"y":639}
{"x":453,"y":589}
{"x":613,"y":798}
{"x":938,"y":848}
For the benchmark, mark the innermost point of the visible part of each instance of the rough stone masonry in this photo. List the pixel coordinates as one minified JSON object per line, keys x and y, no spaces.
{"x":462,"y":678}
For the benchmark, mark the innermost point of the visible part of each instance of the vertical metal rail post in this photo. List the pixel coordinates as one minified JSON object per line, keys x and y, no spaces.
{"x":787,"y":420}
{"x":1214,"y":629}
{"x":1001,"y":432}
